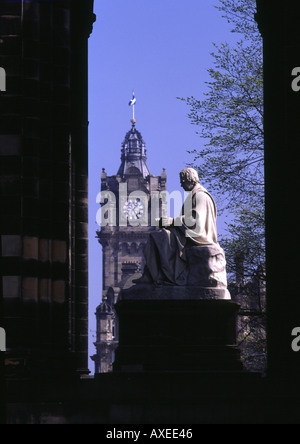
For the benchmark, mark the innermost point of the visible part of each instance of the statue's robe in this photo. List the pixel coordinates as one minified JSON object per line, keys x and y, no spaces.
{"x":170,"y":254}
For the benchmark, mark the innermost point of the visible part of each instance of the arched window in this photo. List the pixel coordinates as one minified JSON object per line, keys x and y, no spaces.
{"x":113,"y":329}
{"x":125,"y":249}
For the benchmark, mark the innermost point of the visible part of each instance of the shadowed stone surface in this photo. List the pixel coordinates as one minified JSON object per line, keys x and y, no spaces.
{"x":173,"y":293}
{"x":171,"y":328}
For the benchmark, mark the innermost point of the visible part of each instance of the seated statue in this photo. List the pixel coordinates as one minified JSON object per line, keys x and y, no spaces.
{"x":185,"y":251}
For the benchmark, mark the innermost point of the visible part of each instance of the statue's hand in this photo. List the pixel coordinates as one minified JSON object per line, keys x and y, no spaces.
{"x":166,"y":221}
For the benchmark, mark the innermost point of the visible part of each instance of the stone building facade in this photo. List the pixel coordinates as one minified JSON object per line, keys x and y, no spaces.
{"x":44,"y":186}
{"x":123,"y":244}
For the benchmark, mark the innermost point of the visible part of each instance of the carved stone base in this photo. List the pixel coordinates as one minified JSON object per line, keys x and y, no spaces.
{"x":170,"y":292}
{"x":175,"y":329}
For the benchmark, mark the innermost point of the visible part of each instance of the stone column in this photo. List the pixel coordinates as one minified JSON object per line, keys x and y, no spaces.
{"x":279,"y":25}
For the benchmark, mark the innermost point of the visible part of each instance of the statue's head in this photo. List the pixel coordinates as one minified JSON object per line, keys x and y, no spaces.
{"x":189,"y":179}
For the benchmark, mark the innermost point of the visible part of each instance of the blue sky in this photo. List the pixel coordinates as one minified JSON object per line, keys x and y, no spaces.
{"x":161,"y":49}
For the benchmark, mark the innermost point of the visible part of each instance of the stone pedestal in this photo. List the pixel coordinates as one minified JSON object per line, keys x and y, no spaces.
{"x":176,"y":329}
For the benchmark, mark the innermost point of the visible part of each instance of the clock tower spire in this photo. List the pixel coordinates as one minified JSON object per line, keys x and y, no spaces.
{"x":123,"y":244}
{"x":133,"y":153}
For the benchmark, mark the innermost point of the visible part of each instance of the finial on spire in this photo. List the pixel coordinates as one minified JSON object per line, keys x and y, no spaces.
{"x":132,"y":103}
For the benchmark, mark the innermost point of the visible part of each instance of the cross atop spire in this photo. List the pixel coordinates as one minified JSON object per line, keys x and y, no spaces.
{"x":132,"y":103}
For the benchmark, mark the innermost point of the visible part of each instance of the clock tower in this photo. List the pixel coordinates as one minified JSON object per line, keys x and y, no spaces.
{"x":136,"y":192}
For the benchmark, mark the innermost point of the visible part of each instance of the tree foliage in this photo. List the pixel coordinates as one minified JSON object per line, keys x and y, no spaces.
{"x":230,"y":121}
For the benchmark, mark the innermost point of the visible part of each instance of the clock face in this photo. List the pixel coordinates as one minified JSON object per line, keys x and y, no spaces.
{"x":133,"y":209}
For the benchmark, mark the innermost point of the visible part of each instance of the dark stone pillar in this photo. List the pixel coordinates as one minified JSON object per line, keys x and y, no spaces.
{"x":44,"y":185}
{"x":82,"y":19}
{"x":279,"y":25}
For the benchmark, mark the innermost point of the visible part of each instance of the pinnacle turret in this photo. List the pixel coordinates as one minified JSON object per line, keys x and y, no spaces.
{"x":134,"y":153}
